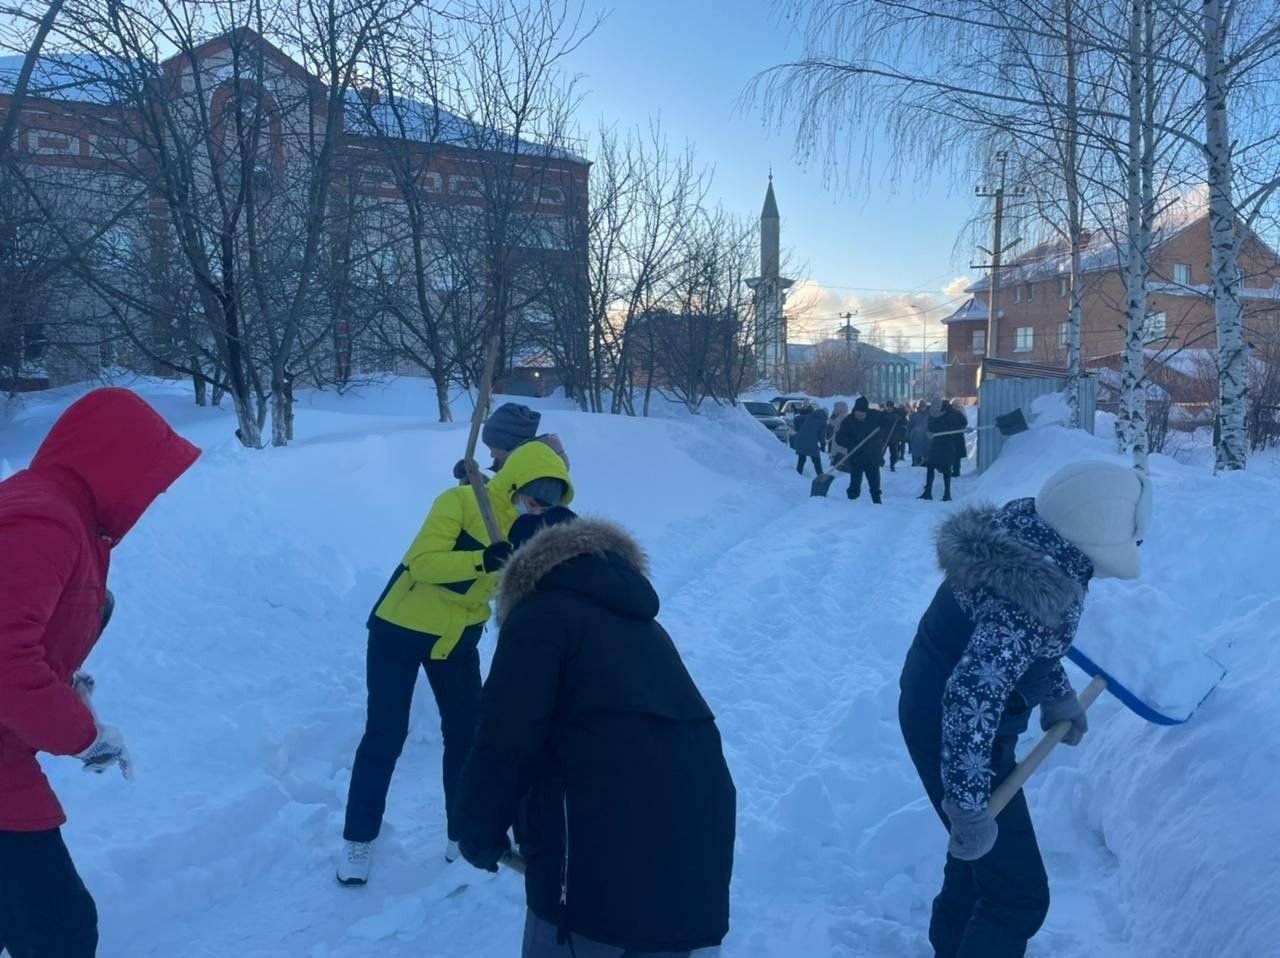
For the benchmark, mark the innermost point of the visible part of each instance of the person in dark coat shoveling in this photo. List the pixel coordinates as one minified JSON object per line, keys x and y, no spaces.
{"x":987,"y":652}
{"x":594,"y":742}
{"x":811,"y":435}
{"x":946,"y":447}
{"x":865,"y":430}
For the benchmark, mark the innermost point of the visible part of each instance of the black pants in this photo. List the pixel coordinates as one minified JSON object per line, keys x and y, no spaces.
{"x":897,"y":448}
{"x":45,"y":910}
{"x":945,"y":471}
{"x":541,"y":940}
{"x":872,"y":472}
{"x":992,"y":907}
{"x":817,"y":463}
{"x":394,"y":657}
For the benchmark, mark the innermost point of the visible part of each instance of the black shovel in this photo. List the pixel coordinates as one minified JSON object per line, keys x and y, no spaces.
{"x":822,"y":485}
{"x":1010,"y":424}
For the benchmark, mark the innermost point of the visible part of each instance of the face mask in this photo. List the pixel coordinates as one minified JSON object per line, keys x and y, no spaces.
{"x":521,"y":508}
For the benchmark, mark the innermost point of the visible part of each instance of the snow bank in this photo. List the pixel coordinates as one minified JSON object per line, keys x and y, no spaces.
{"x":1188,"y":813}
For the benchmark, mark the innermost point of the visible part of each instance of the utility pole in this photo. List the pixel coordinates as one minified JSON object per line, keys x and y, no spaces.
{"x":849,"y":333}
{"x":997,"y":251}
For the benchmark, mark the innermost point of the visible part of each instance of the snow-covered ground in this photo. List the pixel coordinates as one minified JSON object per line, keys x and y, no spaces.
{"x":235,"y":666}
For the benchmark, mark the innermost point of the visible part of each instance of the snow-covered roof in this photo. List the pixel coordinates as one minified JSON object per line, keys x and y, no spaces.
{"x":86,"y":78}
{"x":973,"y":309}
{"x":1268,"y":293}
{"x":77,"y":78}
{"x":1054,"y":259}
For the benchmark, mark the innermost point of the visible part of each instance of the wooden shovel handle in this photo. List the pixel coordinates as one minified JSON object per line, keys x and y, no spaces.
{"x":835,"y":466}
{"x":1018,"y":777}
{"x":472,"y":467}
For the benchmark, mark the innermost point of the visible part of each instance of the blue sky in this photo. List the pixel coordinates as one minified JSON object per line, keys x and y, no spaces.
{"x":877,"y":246}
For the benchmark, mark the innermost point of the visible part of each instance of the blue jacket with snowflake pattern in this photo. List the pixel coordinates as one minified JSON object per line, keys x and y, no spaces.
{"x":989,"y":647}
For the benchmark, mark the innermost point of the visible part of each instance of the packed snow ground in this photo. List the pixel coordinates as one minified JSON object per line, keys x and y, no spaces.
{"x":235,"y":666}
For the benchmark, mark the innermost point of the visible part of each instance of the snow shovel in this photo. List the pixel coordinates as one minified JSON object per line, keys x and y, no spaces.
{"x":474,"y":475}
{"x":822,"y":484}
{"x":1010,"y":424}
{"x":1101,"y":681}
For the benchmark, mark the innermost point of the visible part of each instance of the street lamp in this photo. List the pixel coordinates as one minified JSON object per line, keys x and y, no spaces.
{"x":924,"y":353}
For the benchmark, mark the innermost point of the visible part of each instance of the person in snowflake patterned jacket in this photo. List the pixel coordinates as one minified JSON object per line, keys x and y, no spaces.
{"x":987,"y":651}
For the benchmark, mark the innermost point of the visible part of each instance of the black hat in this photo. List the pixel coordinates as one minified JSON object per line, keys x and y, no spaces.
{"x":861,"y":404}
{"x":548,"y":490}
{"x":510,"y":425}
{"x":526,"y":527}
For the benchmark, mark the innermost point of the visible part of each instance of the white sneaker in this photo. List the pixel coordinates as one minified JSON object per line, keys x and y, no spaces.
{"x":451,"y":852}
{"x":353,"y":865}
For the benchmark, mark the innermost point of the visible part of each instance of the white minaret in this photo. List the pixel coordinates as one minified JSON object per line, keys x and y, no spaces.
{"x":770,"y":288}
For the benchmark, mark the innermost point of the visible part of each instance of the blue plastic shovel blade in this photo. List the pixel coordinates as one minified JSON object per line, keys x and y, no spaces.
{"x":1131,"y":701}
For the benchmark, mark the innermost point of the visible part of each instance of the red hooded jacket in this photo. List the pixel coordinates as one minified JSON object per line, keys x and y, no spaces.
{"x":103,"y":463}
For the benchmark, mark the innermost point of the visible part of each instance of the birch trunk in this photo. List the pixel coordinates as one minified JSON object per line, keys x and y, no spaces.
{"x":1132,"y":424}
{"x":1074,"y":226}
{"x":1233,"y":355}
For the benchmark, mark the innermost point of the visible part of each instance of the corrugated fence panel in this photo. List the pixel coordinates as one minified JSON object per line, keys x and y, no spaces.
{"x":1000,"y":396}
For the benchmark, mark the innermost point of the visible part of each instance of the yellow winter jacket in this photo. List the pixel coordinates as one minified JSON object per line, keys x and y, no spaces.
{"x":441,"y":587}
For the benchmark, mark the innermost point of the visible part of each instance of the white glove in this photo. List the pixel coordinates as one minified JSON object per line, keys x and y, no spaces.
{"x":107,"y":749}
{"x":82,"y":684}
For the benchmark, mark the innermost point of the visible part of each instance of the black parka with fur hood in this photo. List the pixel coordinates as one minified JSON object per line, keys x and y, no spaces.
{"x":594,"y":742}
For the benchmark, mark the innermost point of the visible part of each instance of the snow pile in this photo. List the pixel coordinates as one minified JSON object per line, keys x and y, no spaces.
{"x":235,"y":666}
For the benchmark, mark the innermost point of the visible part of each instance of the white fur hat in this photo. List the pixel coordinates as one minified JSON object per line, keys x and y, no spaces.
{"x":1101,"y":508}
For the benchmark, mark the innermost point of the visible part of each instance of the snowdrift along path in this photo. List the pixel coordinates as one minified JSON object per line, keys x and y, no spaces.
{"x":235,"y":667}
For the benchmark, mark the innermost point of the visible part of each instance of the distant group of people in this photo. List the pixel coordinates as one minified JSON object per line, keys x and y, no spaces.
{"x":859,"y":441}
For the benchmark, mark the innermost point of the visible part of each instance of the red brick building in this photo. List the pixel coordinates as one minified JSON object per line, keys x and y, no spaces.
{"x":1034,"y":304}
{"x":86,"y":148}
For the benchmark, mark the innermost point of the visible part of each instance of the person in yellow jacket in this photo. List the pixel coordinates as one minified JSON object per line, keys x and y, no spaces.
{"x":431,"y":616}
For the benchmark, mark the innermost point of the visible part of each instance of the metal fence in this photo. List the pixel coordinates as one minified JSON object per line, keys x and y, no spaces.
{"x":1000,"y":396}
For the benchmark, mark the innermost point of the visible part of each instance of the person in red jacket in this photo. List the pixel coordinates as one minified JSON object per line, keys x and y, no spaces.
{"x":103,"y":463}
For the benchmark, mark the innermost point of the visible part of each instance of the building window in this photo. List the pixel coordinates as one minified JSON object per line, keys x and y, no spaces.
{"x":1154,"y":327}
{"x":1017,"y":293}
{"x":979,"y":342}
{"x":1031,"y":292}
{"x":1064,"y":335}
{"x":1025,"y":339}
{"x":465,"y":186}
{"x":1064,"y":287}
{"x":1182,"y":274}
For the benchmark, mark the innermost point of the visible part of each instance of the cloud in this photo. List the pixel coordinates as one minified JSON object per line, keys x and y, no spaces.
{"x":890,"y":319}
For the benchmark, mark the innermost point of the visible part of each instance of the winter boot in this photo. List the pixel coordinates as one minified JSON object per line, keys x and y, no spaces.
{"x":875,"y":497}
{"x":852,"y":495}
{"x":353,"y":865}
{"x":927,"y":494}
{"x":451,"y":852}
{"x":946,"y":497}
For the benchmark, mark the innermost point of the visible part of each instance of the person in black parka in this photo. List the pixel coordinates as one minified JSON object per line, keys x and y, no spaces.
{"x":867,"y":424}
{"x":987,"y":651}
{"x":946,"y":447}
{"x":595,"y":744}
{"x":811,"y":435}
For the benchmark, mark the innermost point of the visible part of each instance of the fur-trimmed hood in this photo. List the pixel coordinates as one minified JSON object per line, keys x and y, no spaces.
{"x":623,"y":584}
{"x":1015,"y":555}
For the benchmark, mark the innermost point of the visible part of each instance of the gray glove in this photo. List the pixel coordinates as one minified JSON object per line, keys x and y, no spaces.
{"x":972,"y":833}
{"x":1065,"y":710}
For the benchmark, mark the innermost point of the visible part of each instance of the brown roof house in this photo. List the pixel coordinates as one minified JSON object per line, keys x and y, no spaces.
{"x":1034,"y":300}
